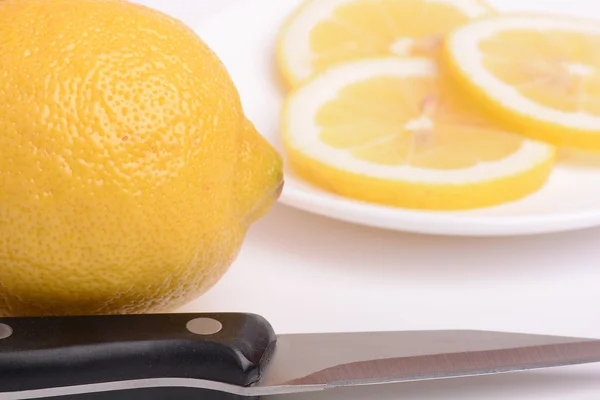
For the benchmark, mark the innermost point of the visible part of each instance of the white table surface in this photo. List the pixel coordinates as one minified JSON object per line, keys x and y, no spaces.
{"x":310,"y":274}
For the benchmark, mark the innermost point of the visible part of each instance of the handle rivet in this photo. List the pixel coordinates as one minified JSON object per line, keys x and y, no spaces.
{"x":5,"y":331}
{"x":204,"y":326}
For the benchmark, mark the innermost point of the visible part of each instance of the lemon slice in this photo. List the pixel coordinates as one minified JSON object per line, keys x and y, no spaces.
{"x":321,"y":33}
{"x":535,"y":74}
{"x":388,"y":131}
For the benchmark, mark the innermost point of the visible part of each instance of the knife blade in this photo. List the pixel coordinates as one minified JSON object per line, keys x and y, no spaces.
{"x":239,"y":356}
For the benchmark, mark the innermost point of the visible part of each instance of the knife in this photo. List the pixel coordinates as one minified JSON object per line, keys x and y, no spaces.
{"x":233,"y":356}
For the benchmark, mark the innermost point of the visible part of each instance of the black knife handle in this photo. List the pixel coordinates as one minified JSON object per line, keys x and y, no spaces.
{"x":52,"y":352}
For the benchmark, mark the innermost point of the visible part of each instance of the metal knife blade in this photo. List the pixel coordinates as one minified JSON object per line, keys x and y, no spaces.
{"x":307,"y":362}
{"x":239,"y":355}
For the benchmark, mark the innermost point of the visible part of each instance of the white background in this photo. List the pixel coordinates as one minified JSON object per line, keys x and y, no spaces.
{"x":306,"y":273}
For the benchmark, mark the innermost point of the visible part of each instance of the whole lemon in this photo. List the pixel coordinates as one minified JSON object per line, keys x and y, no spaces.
{"x":129,"y":174}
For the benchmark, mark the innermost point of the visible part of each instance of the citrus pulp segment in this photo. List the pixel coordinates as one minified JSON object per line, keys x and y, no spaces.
{"x":387,"y":131}
{"x":535,"y":74}
{"x":321,"y":33}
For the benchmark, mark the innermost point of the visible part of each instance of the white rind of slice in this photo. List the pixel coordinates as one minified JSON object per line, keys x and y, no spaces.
{"x":302,"y":133}
{"x":295,"y":45}
{"x":463,"y":45}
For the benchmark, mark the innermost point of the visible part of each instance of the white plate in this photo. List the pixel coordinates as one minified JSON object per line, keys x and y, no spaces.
{"x":243,"y":37}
